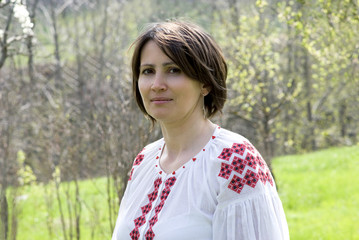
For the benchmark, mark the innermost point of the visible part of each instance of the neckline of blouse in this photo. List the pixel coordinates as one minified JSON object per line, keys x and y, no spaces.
{"x":187,"y":164}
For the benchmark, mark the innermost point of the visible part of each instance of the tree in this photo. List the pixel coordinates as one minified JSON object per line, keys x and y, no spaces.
{"x":261,"y":87}
{"x":18,"y":28}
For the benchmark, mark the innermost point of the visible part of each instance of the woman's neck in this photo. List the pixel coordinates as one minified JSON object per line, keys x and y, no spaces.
{"x":186,"y":137}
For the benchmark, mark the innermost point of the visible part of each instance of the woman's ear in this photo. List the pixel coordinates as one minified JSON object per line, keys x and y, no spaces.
{"x":205,"y":90}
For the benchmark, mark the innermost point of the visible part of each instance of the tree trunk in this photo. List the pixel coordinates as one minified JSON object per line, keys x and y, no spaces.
{"x":235,"y":14}
{"x":58,"y":72}
{"x":342,"y":118}
{"x":4,"y":44}
{"x":310,"y":132}
{"x":4,"y":212}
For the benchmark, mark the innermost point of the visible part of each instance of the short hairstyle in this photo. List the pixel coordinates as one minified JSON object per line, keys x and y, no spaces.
{"x":194,"y":51}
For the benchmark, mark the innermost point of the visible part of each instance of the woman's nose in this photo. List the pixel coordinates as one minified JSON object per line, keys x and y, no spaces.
{"x":159,"y":82}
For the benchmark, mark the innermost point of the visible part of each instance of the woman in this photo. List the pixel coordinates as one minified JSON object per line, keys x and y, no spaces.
{"x":199,"y":181}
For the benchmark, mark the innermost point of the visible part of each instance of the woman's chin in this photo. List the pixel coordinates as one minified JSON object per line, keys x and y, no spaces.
{"x":159,"y":117}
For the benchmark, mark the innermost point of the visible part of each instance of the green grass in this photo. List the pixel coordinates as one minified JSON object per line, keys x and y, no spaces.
{"x":320,"y":193}
{"x":33,"y":213}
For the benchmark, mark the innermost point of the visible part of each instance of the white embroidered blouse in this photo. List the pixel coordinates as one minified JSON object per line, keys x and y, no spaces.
{"x":224,"y":192}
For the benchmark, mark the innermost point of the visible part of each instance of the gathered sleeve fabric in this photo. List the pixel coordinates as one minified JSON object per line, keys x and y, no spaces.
{"x":258,"y":218}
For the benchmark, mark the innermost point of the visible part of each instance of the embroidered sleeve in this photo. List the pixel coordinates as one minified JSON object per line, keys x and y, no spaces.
{"x":243,"y":166}
{"x":248,"y":204}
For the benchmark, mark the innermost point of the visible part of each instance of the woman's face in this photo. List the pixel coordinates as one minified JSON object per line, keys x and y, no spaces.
{"x":167,"y":93}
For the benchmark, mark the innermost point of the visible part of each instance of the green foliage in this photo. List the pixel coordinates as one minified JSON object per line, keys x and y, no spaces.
{"x":25,"y":174}
{"x":291,"y":67}
{"x":319,"y":193}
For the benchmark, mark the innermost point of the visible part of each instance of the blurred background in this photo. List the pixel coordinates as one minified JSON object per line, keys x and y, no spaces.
{"x":69,"y":128}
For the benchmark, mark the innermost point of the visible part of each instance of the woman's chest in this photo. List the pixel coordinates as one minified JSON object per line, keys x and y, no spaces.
{"x":184,"y":201}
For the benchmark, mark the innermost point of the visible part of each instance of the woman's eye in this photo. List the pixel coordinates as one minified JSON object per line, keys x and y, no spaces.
{"x":174,"y":70}
{"x":147,"y":71}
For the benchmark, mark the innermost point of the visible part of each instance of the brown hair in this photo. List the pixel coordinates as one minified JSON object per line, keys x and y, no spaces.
{"x":194,"y":51}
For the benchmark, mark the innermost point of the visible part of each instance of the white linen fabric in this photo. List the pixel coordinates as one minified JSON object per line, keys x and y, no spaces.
{"x":225,"y":192}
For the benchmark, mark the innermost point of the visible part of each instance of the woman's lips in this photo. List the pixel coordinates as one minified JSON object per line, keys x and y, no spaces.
{"x":160,"y":100}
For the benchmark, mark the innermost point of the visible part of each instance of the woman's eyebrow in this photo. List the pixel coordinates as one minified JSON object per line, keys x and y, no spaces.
{"x":168,"y":63}
{"x":147,"y":65}
{"x":153,"y":65}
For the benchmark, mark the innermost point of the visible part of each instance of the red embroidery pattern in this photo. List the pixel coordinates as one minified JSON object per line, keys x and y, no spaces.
{"x":249,"y":146}
{"x":164,"y":195}
{"x":251,"y":159}
{"x":139,"y":158}
{"x":226,"y":154}
{"x":236,"y":184}
{"x":135,"y":234}
{"x":129,"y":179}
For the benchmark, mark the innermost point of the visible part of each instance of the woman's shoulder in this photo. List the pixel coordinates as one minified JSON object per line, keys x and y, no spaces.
{"x":226,"y":138}
{"x":231,"y":147}
{"x":228,"y":146}
{"x":148,"y":151}
{"x":238,"y":166}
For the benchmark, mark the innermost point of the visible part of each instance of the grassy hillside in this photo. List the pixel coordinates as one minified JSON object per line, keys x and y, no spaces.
{"x":320,"y":193}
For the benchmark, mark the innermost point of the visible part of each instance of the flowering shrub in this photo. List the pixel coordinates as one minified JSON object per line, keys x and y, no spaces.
{"x":21,"y":14}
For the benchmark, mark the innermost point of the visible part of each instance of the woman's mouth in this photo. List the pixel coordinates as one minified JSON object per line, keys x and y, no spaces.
{"x":160,"y":100}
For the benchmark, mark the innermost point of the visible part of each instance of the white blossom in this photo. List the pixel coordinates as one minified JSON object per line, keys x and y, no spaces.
{"x":1,"y":34}
{"x":21,"y":13}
